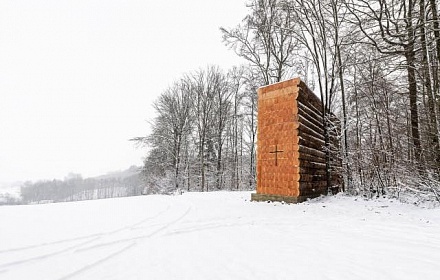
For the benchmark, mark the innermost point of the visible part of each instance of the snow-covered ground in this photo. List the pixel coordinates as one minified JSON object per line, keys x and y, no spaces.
{"x":219,"y":235}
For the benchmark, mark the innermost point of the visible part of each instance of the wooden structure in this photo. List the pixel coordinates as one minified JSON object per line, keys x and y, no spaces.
{"x":291,"y":159}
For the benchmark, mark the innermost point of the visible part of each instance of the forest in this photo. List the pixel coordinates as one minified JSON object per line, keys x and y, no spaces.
{"x":74,"y":188}
{"x":373,"y":63}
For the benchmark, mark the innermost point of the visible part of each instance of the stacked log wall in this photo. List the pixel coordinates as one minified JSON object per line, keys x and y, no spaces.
{"x":290,"y":120}
{"x":313,"y":179}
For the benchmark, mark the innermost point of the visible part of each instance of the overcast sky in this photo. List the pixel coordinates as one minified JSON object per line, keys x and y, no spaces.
{"x":78,"y":77}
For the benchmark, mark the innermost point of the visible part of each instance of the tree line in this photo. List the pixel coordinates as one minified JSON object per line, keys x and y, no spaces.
{"x":203,"y":136}
{"x":374,"y":63}
{"x":76,"y":188}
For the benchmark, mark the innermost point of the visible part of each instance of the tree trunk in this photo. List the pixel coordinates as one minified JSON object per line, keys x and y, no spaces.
{"x":252,"y":155}
{"x":177,"y":161}
{"x":435,"y":22}
{"x":414,"y":115}
{"x":432,"y":118}
{"x":202,"y":163}
{"x":344,"y":117}
{"x":219,"y":182}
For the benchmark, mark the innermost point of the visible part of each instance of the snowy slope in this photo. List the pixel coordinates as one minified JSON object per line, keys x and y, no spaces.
{"x":219,"y":235}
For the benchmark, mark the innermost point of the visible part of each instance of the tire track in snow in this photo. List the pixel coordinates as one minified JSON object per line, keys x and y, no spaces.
{"x":133,"y":242}
{"x":100,"y":234}
{"x":132,"y":226}
{"x":45,"y":256}
{"x":98,"y":262}
{"x":141,"y":237}
{"x":214,"y":224}
{"x":94,"y":237}
{"x":49,"y":243}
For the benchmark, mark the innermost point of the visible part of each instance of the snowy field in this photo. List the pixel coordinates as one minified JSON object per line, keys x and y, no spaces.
{"x":219,"y":235}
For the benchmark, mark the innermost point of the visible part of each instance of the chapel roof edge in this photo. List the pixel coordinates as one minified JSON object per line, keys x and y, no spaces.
{"x":286,"y":83}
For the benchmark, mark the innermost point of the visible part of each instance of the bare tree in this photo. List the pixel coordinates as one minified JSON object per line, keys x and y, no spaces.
{"x":432,"y":122}
{"x":204,"y":87}
{"x":390,"y":26}
{"x":236,"y":83}
{"x":264,"y":39}
{"x":173,"y":108}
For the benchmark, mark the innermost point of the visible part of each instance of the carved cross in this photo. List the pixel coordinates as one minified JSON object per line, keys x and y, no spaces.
{"x":276,"y":154}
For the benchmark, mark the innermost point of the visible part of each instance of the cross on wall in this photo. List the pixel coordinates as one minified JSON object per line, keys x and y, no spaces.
{"x":276,"y":154}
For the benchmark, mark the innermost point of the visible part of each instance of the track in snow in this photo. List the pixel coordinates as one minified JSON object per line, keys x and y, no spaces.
{"x":221,"y":236}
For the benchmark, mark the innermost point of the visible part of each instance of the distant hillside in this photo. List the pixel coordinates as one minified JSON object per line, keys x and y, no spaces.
{"x":133,"y":170}
{"x":11,"y":188}
{"x":74,"y":187}
{"x":10,"y":193}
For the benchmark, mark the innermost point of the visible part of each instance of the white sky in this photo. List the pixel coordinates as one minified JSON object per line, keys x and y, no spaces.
{"x":78,"y":77}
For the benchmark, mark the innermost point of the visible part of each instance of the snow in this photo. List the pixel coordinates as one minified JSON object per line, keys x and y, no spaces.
{"x":219,"y":235}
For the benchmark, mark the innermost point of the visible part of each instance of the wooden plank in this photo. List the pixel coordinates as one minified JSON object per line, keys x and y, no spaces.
{"x":310,"y":164}
{"x":273,"y":87}
{"x":304,"y":130}
{"x":273,"y":96}
{"x":307,"y":157}
{"x":310,"y":111}
{"x":304,"y":121}
{"x":308,"y":185}
{"x":310,"y":191}
{"x":306,"y":95}
{"x":308,"y":142}
{"x":310,"y":116}
{"x":315,"y":193}
{"x":311,"y":171}
{"x":311,"y":151}
{"x":310,"y":139}
{"x":311,"y":178}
